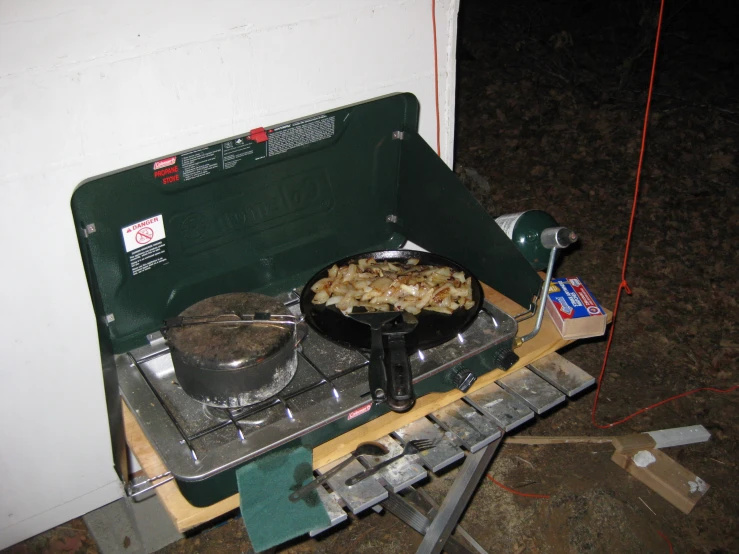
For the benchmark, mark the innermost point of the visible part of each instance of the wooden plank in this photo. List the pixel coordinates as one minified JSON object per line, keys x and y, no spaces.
{"x":532,"y":440}
{"x":184,"y":515}
{"x":672,"y":481}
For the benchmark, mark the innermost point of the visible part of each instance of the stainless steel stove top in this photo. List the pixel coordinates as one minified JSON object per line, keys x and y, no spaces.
{"x":197,"y":442}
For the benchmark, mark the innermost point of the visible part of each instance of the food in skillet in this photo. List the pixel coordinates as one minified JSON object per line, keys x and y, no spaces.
{"x":393,"y":286}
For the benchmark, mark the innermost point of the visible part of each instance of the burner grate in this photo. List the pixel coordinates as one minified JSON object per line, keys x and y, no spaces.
{"x":329,"y":384}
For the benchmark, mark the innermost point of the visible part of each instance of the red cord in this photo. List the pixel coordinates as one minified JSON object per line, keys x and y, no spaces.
{"x":436,"y":80}
{"x":664,"y":537}
{"x":624,"y":286}
{"x":519,"y":493}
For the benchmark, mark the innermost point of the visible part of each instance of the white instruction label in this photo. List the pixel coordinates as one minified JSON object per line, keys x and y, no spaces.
{"x":300,"y":133}
{"x":508,"y":222}
{"x":143,"y":232}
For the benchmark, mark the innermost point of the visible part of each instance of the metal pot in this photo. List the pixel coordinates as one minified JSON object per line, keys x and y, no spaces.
{"x":233,"y":350}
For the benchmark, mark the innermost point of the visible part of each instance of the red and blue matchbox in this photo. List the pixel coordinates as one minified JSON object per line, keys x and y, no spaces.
{"x":574,"y":310}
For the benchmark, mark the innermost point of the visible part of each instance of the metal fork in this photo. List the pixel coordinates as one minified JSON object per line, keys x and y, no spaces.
{"x":411,"y":447}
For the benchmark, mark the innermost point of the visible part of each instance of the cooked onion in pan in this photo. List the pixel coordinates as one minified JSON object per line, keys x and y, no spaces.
{"x":385,"y":286}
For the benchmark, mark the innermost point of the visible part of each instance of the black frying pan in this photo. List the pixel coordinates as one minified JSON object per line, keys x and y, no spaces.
{"x":390,"y":380}
{"x":432,"y":330}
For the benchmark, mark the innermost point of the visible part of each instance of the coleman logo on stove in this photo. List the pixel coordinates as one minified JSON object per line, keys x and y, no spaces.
{"x":359,"y":411}
{"x":166,"y":162}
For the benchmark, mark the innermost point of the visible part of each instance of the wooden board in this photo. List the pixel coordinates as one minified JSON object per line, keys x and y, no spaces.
{"x":672,"y":481}
{"x":532,"y":440}
{"x":186,"y":516}
{"x":630,"y":444}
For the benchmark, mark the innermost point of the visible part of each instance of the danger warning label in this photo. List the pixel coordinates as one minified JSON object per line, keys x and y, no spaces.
{"x":145,"y":244}
{"x":143,"y":232}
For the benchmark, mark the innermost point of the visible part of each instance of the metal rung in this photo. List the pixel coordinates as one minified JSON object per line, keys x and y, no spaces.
{"x":336,"y":513}
{"x":534,"y":391}
{"x":473,"y":429}
{"x":562,"y":373}
{"x":402,"y":473}
{"x":359,"y":497}
{"x":503,"y":408}
{"x":442,"y":455}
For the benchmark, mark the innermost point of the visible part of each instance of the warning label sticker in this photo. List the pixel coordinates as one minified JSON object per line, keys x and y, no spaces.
{"x":201,"y":162}
{"x":143,"y":232}
{"x":145,"y":243}
{"x":300,"y":133}
{"x":240,"y":149}
{"x":147,"y":257}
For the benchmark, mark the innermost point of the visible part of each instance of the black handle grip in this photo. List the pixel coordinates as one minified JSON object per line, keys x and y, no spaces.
{"x":401,"y":397}
{"x":377,"y":374}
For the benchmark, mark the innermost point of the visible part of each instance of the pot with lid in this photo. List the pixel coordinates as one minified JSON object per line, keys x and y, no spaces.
{"x":233,"y":350}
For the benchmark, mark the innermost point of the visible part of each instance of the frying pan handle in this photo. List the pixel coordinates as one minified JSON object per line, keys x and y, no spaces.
{"x":377,"y":375}
{"x":401,"y":397}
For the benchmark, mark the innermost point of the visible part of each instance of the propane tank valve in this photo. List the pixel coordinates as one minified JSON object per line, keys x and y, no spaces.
{"x":557,"y":237}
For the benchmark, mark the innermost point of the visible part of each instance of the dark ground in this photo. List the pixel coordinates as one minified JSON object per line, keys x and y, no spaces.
{"x":550,"y":101}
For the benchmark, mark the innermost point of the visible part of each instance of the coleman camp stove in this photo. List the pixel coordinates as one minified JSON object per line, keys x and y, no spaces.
{"x":261,"y":213}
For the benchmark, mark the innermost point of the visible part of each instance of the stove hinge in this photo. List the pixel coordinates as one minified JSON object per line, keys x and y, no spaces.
{"x":398,"y":135}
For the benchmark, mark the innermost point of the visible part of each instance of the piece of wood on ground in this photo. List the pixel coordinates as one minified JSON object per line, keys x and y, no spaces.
{"x":535,"y":440}
{"x":628,"y":444}
{"x":672,"y":481}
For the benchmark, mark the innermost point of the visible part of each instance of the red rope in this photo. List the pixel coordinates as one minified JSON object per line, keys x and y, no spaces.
{"x":664,"y":538}
{"x":436,"y":80}
{"x":624,"y":286}
{"x":519,"y":493}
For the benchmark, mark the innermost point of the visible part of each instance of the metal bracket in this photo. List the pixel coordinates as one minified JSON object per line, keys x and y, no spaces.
{"x":88,"y":230}
{"x":398,"y":135}
{"x":392,"y":218}
{"x":132,"y":487}
{"x":109,"y":318}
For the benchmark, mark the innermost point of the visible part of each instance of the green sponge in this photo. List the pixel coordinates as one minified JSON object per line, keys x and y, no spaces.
{"x":264,"y":487}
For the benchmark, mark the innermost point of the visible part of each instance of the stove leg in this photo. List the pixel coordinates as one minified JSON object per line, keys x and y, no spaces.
{"x":418,"y":521}
{"x":456,"y":500}
{"x":437,"y":525}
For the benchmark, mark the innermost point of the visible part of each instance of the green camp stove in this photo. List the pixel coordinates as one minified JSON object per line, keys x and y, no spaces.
{"x":262,"y":212}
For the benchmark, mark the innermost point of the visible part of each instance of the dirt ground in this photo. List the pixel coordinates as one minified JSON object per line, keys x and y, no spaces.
{"x":550,"y":101}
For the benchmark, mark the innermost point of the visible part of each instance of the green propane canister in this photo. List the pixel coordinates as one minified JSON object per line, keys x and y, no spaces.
{"x":524,"y":229}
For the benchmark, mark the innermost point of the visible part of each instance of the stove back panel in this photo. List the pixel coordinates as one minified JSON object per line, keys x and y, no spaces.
{"x":250,"y":213}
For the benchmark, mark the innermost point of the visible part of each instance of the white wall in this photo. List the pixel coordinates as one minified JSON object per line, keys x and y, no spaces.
{"x":89,"y":86}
